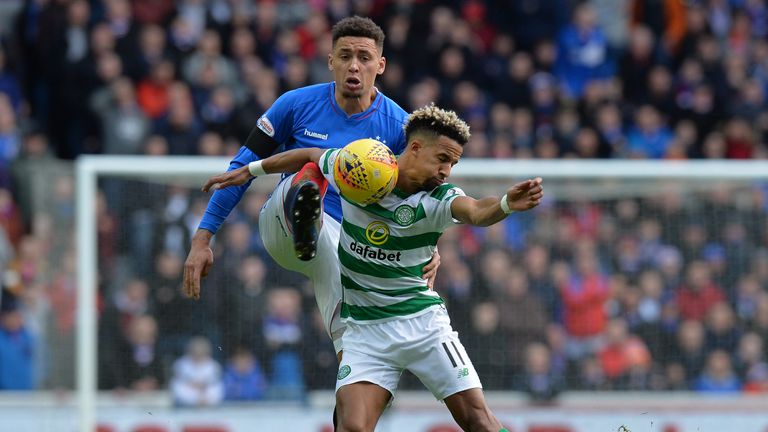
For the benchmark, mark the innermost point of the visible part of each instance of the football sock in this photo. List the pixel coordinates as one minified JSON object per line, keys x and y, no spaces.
{"x":311,"y":172}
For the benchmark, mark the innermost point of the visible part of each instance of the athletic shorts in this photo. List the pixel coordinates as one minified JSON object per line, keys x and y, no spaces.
{"x":322,"y":270}
{"x":426,"y":345}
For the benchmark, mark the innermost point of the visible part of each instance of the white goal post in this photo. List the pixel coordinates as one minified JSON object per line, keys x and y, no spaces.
{"x":90,"y":168}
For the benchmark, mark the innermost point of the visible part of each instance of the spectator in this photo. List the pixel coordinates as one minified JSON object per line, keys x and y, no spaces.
{"x":584,"y":294}
{"x":180,"y":126}
{"x":538,"y":379}
{"x":140,"y":365}
{"x":650,"y":325}
{"x":9,"y":83}
{"x":218,"y":111}
{"x":490,"y":346}
{"x":283,"y":335}
{"x":242,"y":303}
{"x":128,"y":304}
{"x":10,"y":138}
{"x":524,"y":319}
{"x":537,"y":264}
{"x":123,"y":124}
{"x":583,"y":54}
{"x":750,"y":363}
{"x":691,"y":350}
{"x":208,"y":59}
{"x":635,"y":66}
{"x":152,"y":92}
{"x":610,"y":129}
{"x":243,"y":377}
{"x":698,"y":294}
{"x":16,"y":346}
{"x":590,"y":376}
{"x":457,"y":287}
{"x":722,"y":332}
{"x":516,"y":90}
{"x":152,"y":50}
{"x":649,"y":137}
{"x":320,"y":362}
{"x":197,"y":377}
{"x":178,"y":317}
{"x":718,"y":375}
{"x":624,"y":358}
{"x":748,"y":292}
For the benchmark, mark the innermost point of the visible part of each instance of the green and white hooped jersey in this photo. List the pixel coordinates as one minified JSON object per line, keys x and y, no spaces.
{"x":383,"y":248}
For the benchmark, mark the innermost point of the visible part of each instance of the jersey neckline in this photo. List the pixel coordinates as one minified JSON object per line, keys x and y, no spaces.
{"x":358,"y":116}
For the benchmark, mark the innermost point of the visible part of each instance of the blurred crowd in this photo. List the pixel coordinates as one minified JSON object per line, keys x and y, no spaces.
{"x":663,"y":293}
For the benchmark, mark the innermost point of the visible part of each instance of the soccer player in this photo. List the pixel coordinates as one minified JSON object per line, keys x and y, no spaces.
{"x":394,"y":321}
{"x":327,"y":116}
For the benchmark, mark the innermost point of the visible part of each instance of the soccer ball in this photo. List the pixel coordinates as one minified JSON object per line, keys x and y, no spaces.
{"x":365,"y":170}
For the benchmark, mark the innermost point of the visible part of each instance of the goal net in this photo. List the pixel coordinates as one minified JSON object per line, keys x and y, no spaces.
{"x":630,"y":276}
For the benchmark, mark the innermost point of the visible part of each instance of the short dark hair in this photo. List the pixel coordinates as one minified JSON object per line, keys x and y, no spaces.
{"x":359,"y":27}
{"x":436,"y":121}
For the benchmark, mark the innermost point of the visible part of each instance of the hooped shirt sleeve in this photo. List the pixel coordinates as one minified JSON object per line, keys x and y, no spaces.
{"x":441,"y":199}
{"x":327,"y":159}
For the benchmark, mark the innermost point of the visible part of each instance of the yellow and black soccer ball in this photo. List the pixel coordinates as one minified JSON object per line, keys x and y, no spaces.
{"x":365,"y":171}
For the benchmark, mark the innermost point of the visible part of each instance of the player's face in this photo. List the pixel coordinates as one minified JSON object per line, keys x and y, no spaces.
{"x":355,"y":62}
{"x":435,"y":160}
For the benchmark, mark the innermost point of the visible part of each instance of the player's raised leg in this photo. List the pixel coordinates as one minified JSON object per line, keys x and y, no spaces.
{"x":293,"y":219}
{"x":303,"y":209}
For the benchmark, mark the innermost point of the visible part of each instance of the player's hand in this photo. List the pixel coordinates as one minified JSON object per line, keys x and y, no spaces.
{"x":197,"y":266}
{"x":525,"y":195}
{"x":430,"y":270}
{"x":236,"y":177}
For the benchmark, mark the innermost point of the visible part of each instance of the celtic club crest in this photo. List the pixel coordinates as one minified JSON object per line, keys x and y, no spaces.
{"x":343,"y":372}
{"x":405,"y":215}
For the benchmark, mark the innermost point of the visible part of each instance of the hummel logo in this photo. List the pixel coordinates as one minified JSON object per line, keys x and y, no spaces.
{"x":309,"y":133}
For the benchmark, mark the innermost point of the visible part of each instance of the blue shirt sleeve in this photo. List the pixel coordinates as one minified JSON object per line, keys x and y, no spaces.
{"x":277,"y":122}
{"x":224,"y":200}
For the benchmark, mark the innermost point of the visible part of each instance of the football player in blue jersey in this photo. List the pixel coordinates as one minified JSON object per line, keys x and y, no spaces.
{"x":299,"y":224}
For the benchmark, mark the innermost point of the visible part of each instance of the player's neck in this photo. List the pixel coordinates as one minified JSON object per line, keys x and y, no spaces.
{"x":352,"y":106}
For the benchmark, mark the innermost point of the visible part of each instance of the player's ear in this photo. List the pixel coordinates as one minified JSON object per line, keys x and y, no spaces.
{"x":330,"y":61}
{"x":415,"y":145}
{"x":382,"y":65}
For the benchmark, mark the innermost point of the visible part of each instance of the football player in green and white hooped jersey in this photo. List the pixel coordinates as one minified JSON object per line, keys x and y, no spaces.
{"x":394,"y":322}
{"x":383,"y":246}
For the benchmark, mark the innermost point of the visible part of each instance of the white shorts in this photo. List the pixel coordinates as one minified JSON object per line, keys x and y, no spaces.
{"x":426,"y":345}
{"x":323,"y":269}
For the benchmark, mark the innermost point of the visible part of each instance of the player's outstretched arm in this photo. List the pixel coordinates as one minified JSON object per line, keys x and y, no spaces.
{"x":285,"y":162}
{"x":487,"y":211}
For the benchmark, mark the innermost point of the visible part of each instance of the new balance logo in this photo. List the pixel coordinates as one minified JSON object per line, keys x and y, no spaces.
{"x":463,"y":373}
{"x":317,"y":135}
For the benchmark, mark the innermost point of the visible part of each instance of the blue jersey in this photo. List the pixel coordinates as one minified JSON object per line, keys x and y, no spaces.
{"x":310,"y":117}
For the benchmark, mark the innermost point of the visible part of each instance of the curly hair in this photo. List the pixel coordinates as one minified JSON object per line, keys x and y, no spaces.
{"x":360,"y":27}
{"x":436,"y":121}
